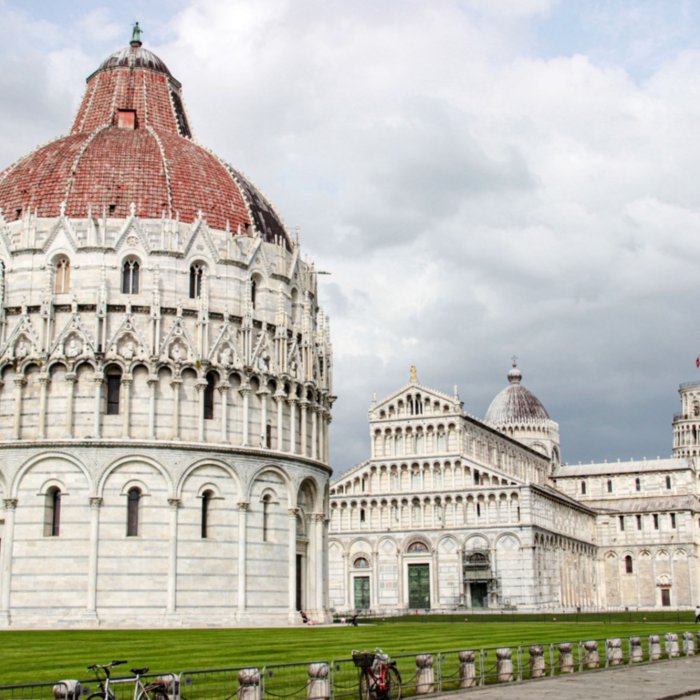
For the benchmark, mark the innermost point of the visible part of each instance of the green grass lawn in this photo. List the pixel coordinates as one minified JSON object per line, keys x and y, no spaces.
{"x":47,"y":656}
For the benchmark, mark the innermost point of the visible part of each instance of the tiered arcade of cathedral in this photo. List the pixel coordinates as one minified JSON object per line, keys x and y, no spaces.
{"x":450,"y":512}
{"x":165,"y":378}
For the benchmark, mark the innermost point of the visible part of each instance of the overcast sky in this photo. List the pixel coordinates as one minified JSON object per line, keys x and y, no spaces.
{"x":482,"y":179}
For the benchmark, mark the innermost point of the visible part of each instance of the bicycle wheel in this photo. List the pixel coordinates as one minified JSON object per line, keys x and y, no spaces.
{"x":367,"y":686}
{"x":393,"y":684}
{"x":158,"y":693}
{"x":99,"y":695}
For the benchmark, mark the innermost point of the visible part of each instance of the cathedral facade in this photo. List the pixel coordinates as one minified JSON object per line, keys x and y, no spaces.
{"x":165,"y":378}
{"x":455,"y":513}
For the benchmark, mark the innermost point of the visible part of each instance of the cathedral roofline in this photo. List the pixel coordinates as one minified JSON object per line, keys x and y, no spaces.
{"x":617,"y":468}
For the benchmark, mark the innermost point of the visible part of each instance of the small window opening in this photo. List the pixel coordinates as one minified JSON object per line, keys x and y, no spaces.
{"x":622,"y":523}
{"x":609,"y":485}
{"x":52,"y":514}
{"x":62,"y":276}
{"x":478,"y":509}
{"x":196,"y":277}
{"x":583,"y":487}
{"x":268,"y":436}
{"x":656,"y":521}
{"x":639,"y":522}
{"x":209,"y":396}
{"x":133,"y":499}
{"x":629,"y":567}
{"x":206,"y":502}
{"x":266,"y":518}
{"x":673,"y":520}
{"x":130,"y":277}
{"x":253,"y":292}
{"x":638,"y":484}
{"x":668,"y":482}
{"x":112,"y":208}
{"x":114,"y":382}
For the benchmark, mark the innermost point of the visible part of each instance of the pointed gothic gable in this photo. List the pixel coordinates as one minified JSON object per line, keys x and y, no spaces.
{"x":132,"y":235}
{"x":23,"y":340}
{"x":177,"y":344}
{"x":74,"y":340}
{"x":258,"y":257}
{"x":127,"y":342}
{"x":411,"y":389}
{"x":293,"y":271}
{"x":294,"y":360}
{"x":225,"y":351}
{"x":62,"y":235}
{"x":200,"y":239}
{"x":263,"y":354}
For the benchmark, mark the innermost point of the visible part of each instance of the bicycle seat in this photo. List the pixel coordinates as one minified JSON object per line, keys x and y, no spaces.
{"x":139,"y":671}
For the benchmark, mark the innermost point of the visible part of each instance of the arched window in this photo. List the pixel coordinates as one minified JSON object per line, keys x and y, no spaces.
{"x":114,"y":383}
{"x":61,"y":283}
{"x":206,"y":502}
{"x":52,"y":512}
{"x":417,"y":547}
{"x":133,"y":500}
{"x":253,"y":292}
{"x":266,"y":517}
{"x":637,"y":484}
{"x":609,"y":485}
{"x":629,"y":568}
{"x":196,"y":279}
{"x":130,"y":277}
{"x":361,"y":563}
{"x":209,"y":396}
{"x":583,"y":487}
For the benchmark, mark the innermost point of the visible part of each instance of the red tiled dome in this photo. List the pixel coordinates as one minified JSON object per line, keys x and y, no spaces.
{"x":131,"y":143}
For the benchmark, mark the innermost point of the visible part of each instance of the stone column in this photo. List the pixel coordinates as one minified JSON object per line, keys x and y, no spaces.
{"x":303,"y":449}
{"x":636,"y":651}
{"x":97,"y":410}
{"x":688,"y":644}
{"x":591,"y":656}
{"x":319,"y":685}
{"x":223,"y":389}
{"x":95,"y":505}
{"x":248,"y":684}
{"x":292,"y":425}
{"x":672,"y":645}
{"x":566,"y":658}
{"x":374,"y":580}
{"x":20,"y":383}
{"x":348,"y":582}
{"x":152,"y":388}
{"x":537,"y":664}
{"x":467,"y":669}
{"x":314,"y":434}
{"x":279,"y":398}
{"x":263,"y":393}
{"x":43,"y":386}
{"x":425,"y":676}
{"x":614,"y":651}
{"x":403,"y":603}
{"x":242,"y":540}
{"x":292,"y":563}
{"x":654,"y":647}
{"x":245,"y":393}
{"x":175,"y":384}
{"x":200,"y":386}
{"x":7,"y":552}
{"x":71,"y":379}
{"x":319,"y":520}
{"x":174,"y":504}
{"x":504,"y":665}
{"x":126,"y":402}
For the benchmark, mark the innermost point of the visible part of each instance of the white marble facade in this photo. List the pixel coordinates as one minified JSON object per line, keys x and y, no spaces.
{"x":202,"y":417}
{"x":452,"y":513}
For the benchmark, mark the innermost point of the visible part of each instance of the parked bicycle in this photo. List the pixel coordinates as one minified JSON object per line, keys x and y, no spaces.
{"x":154,"y":690}
{"x":379,"y":677}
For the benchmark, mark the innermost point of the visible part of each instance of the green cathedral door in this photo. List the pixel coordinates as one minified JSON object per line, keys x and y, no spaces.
{"x":419,"y":586}
{"x":361,"y":592}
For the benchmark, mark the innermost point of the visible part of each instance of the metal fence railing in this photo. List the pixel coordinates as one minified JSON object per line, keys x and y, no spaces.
{"x":427,"y":673}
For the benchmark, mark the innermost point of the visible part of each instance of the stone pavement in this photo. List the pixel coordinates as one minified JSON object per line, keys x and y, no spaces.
{"x":677,"y":678}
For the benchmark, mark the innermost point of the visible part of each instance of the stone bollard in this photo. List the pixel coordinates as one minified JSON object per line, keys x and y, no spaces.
{"x":688,"y":644}
{"x":537,"y":665}
{"x":467,"y":669}
{"x":249,"y":684}
{"x":504,"y":665}
{"x":672,"y":645}
{"x":591,"y":658}
{"x":425,"y":676}
{"x":636,"y":651}
{"x":566,"y":658}
{"x":654,"y":647}
{"x":319,"y":685}
{"x":615,"y":656}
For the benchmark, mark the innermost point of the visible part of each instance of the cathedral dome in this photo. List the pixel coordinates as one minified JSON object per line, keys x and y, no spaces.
{"x":515,"y":403}
{"x":131,"y":144}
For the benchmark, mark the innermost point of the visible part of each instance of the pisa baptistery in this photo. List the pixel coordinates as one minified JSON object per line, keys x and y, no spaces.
{"x":165,"y":378}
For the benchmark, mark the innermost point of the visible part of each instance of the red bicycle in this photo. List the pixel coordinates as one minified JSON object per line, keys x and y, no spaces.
{"x":379,"y":677}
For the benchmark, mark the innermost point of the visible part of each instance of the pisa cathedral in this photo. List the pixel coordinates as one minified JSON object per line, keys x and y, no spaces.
{"x":165,"y":378}
{"x":455,"y":513}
